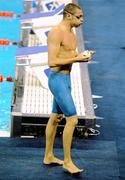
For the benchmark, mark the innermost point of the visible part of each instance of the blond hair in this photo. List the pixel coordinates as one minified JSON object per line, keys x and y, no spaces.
{"x":70,"y":8}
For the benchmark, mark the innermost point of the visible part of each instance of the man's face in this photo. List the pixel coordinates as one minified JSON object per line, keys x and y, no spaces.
{"x":77,"y":18}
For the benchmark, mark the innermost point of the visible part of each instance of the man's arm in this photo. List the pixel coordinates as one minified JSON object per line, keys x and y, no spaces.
{"x":54,"y":41}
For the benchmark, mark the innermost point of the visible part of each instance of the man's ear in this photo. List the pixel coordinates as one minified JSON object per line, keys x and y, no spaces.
{"x":69,"y":16}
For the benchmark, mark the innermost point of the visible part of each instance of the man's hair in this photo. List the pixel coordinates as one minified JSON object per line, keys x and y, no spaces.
{"x":70,"y":8}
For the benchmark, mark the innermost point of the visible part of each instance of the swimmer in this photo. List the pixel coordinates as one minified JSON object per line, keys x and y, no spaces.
{"x":62,"y":44}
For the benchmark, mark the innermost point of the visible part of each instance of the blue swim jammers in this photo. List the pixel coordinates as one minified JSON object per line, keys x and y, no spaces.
{"x":60,"y":86}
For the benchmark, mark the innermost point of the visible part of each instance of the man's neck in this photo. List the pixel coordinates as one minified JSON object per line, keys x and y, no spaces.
{"x":66,"y":26}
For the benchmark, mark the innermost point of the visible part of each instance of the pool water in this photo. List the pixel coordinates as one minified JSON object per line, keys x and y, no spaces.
{"x":9,"y":29}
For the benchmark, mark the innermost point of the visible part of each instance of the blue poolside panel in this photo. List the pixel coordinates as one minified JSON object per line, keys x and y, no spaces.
{"x":31,"y":50}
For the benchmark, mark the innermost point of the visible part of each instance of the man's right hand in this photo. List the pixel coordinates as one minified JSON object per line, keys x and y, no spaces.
{"x":85,"y":56}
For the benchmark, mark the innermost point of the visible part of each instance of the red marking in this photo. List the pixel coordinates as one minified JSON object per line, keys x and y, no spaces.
{"x":14,"y":43}
{"x":9,"y":79}
{"x":6,"y":14}
{"x":6,"y":42}
{"x":1,"y":78}
{"x":2,"y":42}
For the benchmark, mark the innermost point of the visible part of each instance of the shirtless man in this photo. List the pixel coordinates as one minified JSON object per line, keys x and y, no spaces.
{"x":62,"y":54}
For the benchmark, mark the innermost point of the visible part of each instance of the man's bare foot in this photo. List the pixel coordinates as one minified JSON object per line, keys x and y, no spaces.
{"x":71,"y":168}
{"x":52,"y":160}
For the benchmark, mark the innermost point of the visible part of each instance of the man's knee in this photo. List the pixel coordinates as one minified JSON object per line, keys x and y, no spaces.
{"x":56,"y":118}
{"x":73,"y":120}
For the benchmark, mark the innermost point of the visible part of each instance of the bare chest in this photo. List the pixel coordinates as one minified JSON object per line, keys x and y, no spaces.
{"x":69,"y":41}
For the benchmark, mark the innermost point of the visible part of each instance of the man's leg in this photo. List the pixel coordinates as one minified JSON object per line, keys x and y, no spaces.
{"x":51,"y":128}
{"x":67,"y":140}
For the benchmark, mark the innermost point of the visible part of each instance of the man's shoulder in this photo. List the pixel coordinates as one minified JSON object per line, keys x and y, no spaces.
{"x":55,"y":34}
{"x":56,"y":30}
